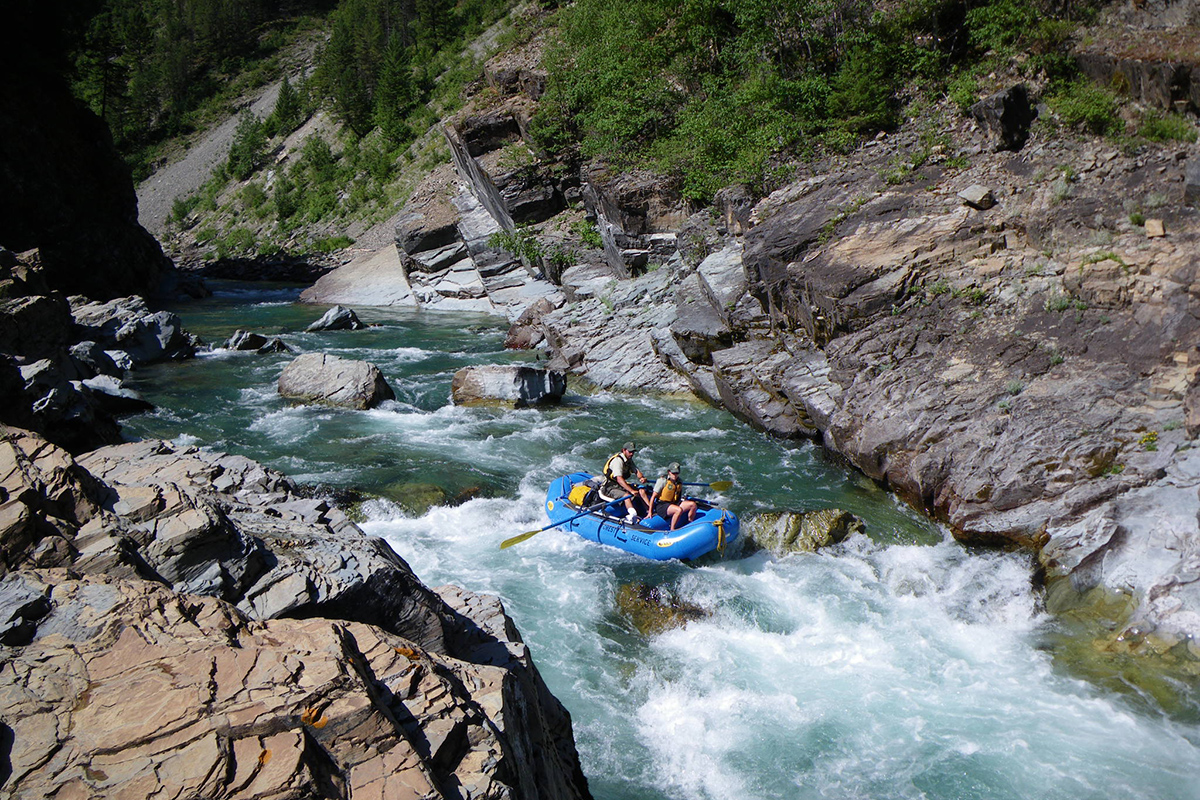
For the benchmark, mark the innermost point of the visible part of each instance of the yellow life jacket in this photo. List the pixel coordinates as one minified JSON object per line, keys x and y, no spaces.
{"x":671,"y":492}
{"x":622,"y":470}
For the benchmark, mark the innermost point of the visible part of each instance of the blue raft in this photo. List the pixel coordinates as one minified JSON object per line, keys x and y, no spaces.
{"x":713,"y":529}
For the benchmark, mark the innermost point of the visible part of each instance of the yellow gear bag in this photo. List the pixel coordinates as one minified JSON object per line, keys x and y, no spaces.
{"x":579,"y":493}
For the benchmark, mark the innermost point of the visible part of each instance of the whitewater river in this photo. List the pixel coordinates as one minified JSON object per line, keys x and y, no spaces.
{"x":896,"y":665}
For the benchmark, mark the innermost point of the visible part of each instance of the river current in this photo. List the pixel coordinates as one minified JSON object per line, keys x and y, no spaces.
{"x":895,"y":665}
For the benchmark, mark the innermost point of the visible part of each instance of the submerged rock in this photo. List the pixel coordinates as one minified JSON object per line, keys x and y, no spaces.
{"x":321,"y":378}
{"x":800,"y":532}
{"x":416,"y":498}
{"x":501,"y":384}
{"x":652,"y":610}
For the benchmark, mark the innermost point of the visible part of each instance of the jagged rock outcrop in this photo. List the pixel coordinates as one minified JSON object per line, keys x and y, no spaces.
{"x":994,"y":366}
{"x":510,"y":385}
{"x":338,"y":318}
{"x":130,"y":332}
{"x":1006,"y":117}
{"x":217,"y":635}
{"x":248,"y":340}
{"x":54,"y":377}
{"x":322,"y":378}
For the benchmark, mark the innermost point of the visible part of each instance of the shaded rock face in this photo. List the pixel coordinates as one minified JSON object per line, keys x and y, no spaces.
{"x":325,"y":669}
{"x":790,"y":532}
{"x":57,"y":380}
{"x":66,"y":190}
{"x":321,"y":378}
{"x":515,"y":386}
{"x":1006,"y":117}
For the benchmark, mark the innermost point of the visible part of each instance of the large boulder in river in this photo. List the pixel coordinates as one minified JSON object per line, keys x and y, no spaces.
{"x":510,"y":385}
{"x":805,"y":532}
{"x":321,"y":378}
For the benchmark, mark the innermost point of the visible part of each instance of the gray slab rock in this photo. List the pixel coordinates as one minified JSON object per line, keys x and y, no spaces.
{"x":373,"y":279}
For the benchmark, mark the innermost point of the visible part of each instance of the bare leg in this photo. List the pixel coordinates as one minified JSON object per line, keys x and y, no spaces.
{"x":674,"y":511}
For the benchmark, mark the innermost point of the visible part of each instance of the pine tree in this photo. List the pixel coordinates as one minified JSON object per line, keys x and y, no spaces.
{"x":249,"y":149}
{"x":395,"y":94}
{"x":288,"y":112}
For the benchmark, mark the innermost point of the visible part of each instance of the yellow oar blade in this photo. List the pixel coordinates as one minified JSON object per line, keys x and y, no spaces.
{"x":518,"y":539}
{"x":720,"y":486}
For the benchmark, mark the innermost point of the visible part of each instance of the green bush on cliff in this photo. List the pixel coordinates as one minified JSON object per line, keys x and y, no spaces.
{"x":1158,"y":127}
{"x":1082,"y":104}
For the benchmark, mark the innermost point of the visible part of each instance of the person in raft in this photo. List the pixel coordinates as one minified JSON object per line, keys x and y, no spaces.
{"x":617,"y":471}
{"x":667,"y":499}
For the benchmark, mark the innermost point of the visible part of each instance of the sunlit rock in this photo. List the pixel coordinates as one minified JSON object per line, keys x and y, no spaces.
{"x":338,"y":318}
{"x":509,"y":385}
{"x":321,"y":378}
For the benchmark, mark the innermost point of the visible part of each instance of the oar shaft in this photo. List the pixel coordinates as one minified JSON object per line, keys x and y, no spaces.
{"x":530,"y":534}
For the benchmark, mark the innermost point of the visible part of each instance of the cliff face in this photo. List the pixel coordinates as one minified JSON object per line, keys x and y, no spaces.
{"x":66,"y":190}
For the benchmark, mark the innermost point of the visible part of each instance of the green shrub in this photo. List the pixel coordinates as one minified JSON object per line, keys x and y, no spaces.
{"x":588,"y":233}
{"x":1001,"y":24}
{"x":1167,"y":128}
{"x":520,"y":243}
{"x":963,"y":91}
{"x":332,"y":244}
{"x":253,"y":196}
{"x":1083,"y":104}
{"x":239,"y":241}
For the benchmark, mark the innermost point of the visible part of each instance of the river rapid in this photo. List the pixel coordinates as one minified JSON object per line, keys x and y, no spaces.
{"x":896,"y":665}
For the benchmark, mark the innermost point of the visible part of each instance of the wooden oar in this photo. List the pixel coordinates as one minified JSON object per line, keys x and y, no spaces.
{"x":530,"y":534}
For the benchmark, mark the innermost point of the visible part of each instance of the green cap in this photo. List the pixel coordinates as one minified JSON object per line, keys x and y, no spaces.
{"x":673,"y":467}
{"x":628,"y":446}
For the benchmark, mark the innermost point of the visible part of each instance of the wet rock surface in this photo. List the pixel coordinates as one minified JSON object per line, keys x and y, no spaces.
{"x":654,"y":609}
{"x":787,"y":532}
{"x":181,"y":620}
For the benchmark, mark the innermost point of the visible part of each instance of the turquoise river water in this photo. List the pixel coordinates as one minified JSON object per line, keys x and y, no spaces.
{"x":896,"y":665}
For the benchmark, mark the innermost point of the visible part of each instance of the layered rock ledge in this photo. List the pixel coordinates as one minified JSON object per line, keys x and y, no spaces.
{"x":182,"y":621}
